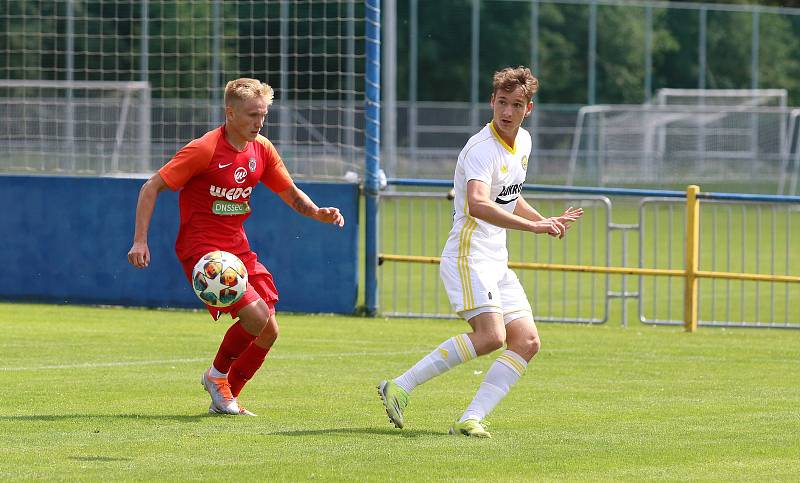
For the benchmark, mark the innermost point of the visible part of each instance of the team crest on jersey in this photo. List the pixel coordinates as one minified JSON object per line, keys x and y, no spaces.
{"x":240,"y":175}
{"x":524,"y":162}
{"x":251,"y":163}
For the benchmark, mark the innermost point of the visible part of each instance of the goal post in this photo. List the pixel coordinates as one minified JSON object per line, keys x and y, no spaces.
{"x":703,"y":134}
{"x":656,"y":143}
{"x":722,"y":97}
{"x":777,"y":98}
{"x":75,"y":127}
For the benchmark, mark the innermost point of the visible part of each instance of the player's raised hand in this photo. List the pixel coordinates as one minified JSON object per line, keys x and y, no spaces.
{"x":139,"y":255}
{"x":570,"y":214}
{"x":550,"y":226}
{"x":330,"y":215}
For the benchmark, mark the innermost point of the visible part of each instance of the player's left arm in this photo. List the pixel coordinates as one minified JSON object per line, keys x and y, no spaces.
{"x":525,"y":210}
{"x":277,"y":178}
{"x":301,"y":203}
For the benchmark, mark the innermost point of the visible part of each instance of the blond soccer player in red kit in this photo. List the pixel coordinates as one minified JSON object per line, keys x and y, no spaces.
{"x":216,"y":175}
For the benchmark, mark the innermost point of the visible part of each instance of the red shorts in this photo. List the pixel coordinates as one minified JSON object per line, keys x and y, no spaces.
{"x":259,"y":286}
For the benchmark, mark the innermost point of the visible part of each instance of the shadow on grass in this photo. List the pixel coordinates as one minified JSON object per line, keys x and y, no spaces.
{"x":406,"y":433}
{"x":181,"y":418}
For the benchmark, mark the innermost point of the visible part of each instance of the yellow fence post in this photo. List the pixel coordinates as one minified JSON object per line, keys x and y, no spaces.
{"x":692,"y":258}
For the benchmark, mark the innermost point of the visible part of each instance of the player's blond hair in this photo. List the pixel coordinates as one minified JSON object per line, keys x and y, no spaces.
{"x":244,"y":89}
{"x":510,"y":78}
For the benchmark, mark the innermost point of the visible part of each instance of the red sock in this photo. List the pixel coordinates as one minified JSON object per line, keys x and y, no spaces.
{"x":245,"y":366}
{"x":233,"y":344}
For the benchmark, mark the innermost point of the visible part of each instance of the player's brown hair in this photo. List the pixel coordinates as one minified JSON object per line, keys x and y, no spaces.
{"x":510,"y":78}
{"x":244,"y":88}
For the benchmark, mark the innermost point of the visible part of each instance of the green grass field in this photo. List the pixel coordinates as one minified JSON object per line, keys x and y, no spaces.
{"x":114,"y":394}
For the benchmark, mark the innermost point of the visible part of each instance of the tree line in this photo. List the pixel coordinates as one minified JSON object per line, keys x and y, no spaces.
{"x":184,"y":61}
{"x":444,"y":36}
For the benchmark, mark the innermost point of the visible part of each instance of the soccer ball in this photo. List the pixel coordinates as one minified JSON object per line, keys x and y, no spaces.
{"x":219,"y":279}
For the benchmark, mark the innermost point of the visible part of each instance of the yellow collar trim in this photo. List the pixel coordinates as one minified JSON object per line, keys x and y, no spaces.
{"x":500,"y":140}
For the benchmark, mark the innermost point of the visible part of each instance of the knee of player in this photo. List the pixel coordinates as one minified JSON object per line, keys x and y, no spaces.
{"x":526,"y":346}
{"x":257,"y":318}
{"x":493,"y":341}
{"x":261,"y":325}
{"x":534,"y":345}
{"x":270,"y":330}
{"x":530,"y":346}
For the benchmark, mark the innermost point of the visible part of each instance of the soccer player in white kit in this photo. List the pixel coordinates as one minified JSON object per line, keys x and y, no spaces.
{"x":488,"y":181}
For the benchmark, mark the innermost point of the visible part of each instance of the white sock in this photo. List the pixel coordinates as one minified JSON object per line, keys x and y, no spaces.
{"x":215,"y":373}
{"x":449,"y":354}
{"x":503,"y":373}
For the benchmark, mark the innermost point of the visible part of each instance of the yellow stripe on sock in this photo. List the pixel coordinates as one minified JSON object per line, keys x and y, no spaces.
{"x":459,"y":349}
{"x":468,"y":344}
{"x":511,"y":362}
{"x":463,"y":348}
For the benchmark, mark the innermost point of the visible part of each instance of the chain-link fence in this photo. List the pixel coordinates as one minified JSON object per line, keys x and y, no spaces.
{"x":110,"y":87}
{"x":585,"y":53}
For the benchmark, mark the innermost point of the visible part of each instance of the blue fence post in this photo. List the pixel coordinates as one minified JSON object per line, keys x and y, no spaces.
{"x":372,"y":149}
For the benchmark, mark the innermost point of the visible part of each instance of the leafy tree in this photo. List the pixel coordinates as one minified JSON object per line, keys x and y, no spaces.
{"x":779,"y":65}
{"x":181,"y":54}
{"x":443,"y":49}
{"x":563,"y":35}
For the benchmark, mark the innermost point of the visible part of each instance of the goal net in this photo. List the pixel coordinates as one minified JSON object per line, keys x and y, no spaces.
{"x":707,"y":138}
{"x":119,"y":89}
{"x":74,"y":127}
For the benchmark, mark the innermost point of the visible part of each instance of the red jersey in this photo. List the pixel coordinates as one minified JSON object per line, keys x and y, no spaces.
{"x":216,"y":181}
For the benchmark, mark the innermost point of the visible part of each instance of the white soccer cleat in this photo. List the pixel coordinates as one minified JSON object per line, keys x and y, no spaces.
{"x":242,"y":411}
{"x":222,"y":401}
{"x":245,"y":412}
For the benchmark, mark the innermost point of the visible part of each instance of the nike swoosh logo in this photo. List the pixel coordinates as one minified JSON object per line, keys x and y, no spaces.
{"x":224,"y":165}
{"x":505,"y":202}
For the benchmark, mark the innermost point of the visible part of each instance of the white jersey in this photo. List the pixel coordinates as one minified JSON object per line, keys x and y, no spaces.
{"x":487,"y":158}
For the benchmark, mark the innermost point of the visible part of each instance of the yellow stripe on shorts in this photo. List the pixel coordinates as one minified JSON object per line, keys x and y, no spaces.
{"x":466,"y":278}
{"x":459,"y":260}
{"x":464,"y":243}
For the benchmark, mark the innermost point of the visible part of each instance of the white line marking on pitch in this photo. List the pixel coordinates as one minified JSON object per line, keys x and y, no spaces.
{"x":91,"y":365}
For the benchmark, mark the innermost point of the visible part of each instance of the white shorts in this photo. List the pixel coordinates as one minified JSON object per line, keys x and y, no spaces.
{"x":476,"y":286}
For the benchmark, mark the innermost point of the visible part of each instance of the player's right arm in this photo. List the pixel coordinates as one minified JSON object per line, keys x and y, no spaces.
{"x":139,"y":254}
{"x":187,"y":162}
{"x":482,"y":207}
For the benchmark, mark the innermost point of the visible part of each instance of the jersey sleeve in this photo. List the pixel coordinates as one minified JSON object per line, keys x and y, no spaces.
{"x":187,"y":162}
{"x":276,"y":177}
{"x":477,"y":166}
